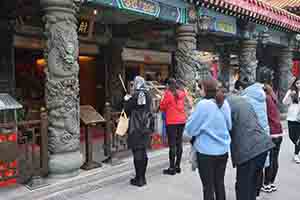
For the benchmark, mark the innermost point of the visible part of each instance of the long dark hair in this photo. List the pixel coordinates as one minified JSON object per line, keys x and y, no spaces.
{"x":173,"y":88}
{"x":295,"y":98}
{"x":211,"y":90}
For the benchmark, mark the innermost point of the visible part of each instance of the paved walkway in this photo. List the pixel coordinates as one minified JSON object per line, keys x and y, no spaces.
{"x":187,"y":186}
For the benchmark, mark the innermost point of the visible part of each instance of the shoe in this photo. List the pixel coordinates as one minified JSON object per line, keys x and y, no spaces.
{"x":273,"y":187}
{"x":169,"y":171}
{"x":137,"y":182}
{"x":178,"y":170}
{"x":266,"y":188}
{"x":297,"y":159}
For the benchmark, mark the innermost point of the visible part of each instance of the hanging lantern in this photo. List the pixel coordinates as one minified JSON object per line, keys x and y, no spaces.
{"x":264,"y":36}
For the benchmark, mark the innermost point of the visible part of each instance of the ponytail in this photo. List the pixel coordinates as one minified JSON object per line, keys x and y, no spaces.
{"x":211,"y":91}
{"x":173,"y":88}
{"x":220,"y":98}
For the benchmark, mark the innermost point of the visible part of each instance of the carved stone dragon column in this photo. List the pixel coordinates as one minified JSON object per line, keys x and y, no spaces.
{"x":248,"y":61}
{"x":189,"y":67}
{"x":285,"y":72}
{"x":248,"y":47}
{"x":62,"y":87}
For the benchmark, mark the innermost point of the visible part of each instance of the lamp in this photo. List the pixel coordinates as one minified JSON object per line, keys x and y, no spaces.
{"x":264,"y":36}
{"x":203,"y":23}
{"x":297,"y":42}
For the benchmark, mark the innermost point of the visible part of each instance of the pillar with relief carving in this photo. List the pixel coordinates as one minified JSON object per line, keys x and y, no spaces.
{"x":285,"y":73}
{"x":188,"y":66}
{"x":248,"y":60}
{"x":186,"y":44}
{"x":62,"y":87}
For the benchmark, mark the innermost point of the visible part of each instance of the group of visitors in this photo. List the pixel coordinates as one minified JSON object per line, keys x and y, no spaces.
{"x":246,"y":124}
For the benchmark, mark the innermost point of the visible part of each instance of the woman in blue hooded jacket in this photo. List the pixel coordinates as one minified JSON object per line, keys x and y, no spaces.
{"x":209,"y":127}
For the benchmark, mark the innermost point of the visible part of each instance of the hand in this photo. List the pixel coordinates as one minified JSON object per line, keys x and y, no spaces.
{"x":127,"y":97}
{"x":292,"y":81}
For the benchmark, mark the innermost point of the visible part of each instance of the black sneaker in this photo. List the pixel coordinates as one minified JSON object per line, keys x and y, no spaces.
{"x":273,"y":187}
{"x":266,"y":188}
{"x":178,"y":170}
{"x":169,"y":171}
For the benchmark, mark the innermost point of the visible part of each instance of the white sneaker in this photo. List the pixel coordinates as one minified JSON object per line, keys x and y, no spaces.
{"x":297,"y":159}
{"x":266,"y":188}
{"x":273,"y":187}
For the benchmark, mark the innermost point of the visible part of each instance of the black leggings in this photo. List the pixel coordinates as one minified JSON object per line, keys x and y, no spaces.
{"x":212,"y":173}
{"x":140,"y":160}
{"x":175,"y":144}
{"x":294,"y":133}
{"x":271,"y":171}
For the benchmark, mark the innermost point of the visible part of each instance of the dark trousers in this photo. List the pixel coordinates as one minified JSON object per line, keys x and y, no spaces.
{"x":271,"y":171}
{"x":249,"y":178}
{"x":212,"y":173}
{"x":140,"y":160}
{"x":175,"y":144}
{"x":294,"y":133}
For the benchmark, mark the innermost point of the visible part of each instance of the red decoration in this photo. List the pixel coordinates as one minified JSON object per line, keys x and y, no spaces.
{"x":8,"y":182}
{"x":3,"y":166}
{"x":13,"y":164}
{"x":156,"y":141}
{"x":296,"y":68}
{"x":9,"y":173}
{"x":2,"y":138}
{"x":12,"y":137}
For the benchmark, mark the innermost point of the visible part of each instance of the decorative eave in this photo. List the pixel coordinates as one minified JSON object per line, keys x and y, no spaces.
{"x":256,"y":11}
{"x":295,"y":9}
{"x":290,"y":5}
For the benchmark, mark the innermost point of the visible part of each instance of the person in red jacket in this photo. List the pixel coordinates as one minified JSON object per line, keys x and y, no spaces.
{"x":276,"y":134}
{"x":173,"y":105}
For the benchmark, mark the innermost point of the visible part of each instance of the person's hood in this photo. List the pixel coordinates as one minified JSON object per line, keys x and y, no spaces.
{"x":255,"y":91}
{"x":139,"y":83}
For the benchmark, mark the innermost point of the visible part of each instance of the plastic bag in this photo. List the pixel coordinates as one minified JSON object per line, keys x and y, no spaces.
{"x":123,"y":124}
{"x":193,"y":159}
{"x":158,"y":123}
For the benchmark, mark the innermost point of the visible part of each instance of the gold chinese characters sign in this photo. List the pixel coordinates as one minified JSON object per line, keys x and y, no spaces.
{"x":83,"y":27}
{"x":143,"y":6}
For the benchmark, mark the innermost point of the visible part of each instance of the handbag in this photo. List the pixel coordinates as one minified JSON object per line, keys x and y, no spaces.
{"x":193,"y":158}
{"x":123,"y":124}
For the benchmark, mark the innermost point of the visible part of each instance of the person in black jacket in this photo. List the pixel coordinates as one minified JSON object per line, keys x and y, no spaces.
{"x":138,"y":108}
{"x":249,"y":146}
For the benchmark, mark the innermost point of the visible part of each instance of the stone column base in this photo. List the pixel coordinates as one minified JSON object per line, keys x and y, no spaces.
{"x":65,"y":165}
